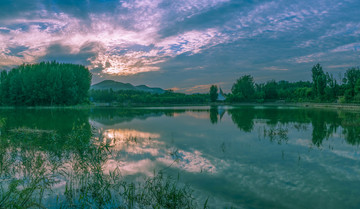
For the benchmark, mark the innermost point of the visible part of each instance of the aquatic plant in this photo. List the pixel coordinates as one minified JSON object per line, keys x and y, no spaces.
{"x":277,"y":134}
{"x":29,"y":173}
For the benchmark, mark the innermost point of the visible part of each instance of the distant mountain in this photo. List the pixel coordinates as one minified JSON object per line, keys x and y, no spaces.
{"x":115,"y":85}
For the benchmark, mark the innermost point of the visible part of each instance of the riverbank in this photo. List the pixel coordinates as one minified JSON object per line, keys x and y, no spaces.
{"x":342,"y":106}
{"x":334,"y":106}
{"x":87,"y":106}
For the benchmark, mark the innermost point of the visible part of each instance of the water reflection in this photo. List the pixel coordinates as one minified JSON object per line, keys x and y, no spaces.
{"x":324,"y":123}
{"x":110,"y":116}
{"x":231,"y":153}
{"x":79,"y":173}
{"x":47,"y":130}
{"x":133,"y":141}
{"x":214,"y":114}
{"x":133,"y":145}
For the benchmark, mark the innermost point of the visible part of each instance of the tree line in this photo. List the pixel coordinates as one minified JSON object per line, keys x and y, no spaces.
{"x":52,"y":83}
{"x":127,"y":97}
{"x":323,"y":88}
{"x":45,"y":83}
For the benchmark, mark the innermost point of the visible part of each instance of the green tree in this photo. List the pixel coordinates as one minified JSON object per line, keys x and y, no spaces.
{"x":213,"y":93}
{"x":319,"y":81}
{"x":357,"y":91}
{"x":352,"y":75}
{"x":46,"y":83}
{"x":260,"y":92}
{"x":270,"y":89}
{"x":332,"y":88}
{"x":4,"y":87}
{"x":243,"y":88}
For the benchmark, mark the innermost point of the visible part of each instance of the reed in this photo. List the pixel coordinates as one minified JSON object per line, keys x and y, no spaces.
{"x":28,"y":175}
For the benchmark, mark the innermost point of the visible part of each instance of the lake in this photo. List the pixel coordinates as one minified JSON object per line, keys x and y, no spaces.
{"x":239,"y":157}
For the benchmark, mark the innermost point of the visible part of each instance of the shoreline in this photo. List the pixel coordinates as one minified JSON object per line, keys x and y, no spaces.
{"x":336,"y":106}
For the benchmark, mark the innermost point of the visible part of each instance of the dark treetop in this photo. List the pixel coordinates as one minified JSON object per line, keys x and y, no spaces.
{"x":46,"y":83}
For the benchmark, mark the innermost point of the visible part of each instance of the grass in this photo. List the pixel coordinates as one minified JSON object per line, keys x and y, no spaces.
{"x":277,"y":134}
{"x":25,"y":180}
{"x":29,"y":175}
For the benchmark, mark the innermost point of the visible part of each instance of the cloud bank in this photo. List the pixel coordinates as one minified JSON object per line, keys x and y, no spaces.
{"x":183,"y":44}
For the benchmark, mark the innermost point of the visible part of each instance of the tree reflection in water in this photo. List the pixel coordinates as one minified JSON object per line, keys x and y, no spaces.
{"x":52,"y":153}
{"x":53,"y":161}
{"x":324,"y":123}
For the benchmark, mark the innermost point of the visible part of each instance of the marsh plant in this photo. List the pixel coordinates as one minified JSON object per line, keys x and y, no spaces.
{"x":277,"y":134}
{"x":32,"y":176}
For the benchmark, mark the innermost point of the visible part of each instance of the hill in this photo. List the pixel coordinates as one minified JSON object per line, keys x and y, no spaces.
{"x":116,"y":86}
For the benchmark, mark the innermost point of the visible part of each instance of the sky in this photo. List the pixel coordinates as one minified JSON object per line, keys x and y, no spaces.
{"x":184,"y":45}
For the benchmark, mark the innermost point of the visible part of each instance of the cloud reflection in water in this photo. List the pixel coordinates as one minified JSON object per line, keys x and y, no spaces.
{"x":132,"y":149}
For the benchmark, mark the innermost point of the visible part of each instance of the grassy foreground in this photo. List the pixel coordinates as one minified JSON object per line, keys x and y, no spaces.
{"x":33,"y":177}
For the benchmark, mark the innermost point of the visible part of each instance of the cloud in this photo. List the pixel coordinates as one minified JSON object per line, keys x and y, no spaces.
{"x":273,"y":68}
{"x":201,"y":88}
{"x":348,"y":47}
{"x":133,"y":62}
{"x":342,"y":29}
{"x":125,"y":38}
{"x":192,"y":162}
{"x":175,"y":89}
{"x":339,"y":66}
{"x":195,"y":68}
{"x":130,"y":63}
{"x":307,"y":43}
{"x":311,"y":58}
{"x":65,"y":38}
{"x":193,"y":7}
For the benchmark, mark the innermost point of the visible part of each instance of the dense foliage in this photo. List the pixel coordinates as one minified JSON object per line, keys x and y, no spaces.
{"x":125,"y":97}
{"x":323,"y":88}
{"x":243,"y":89}
{"x":213,"y":93}
{"x":46,"y":83}
{"x":52,"y":83}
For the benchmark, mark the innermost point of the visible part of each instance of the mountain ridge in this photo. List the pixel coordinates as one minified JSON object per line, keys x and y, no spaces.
{"x":116,"y":86}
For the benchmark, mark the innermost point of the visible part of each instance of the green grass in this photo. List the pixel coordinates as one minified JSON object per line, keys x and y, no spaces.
{"x":28,"y":175}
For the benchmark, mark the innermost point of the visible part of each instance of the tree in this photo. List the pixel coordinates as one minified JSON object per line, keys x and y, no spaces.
{"x":4,"y":87}
{"x":352,"y":75}
{"x":46,"y":83}
{"x":270,"y":90}
{"x":243,"y":88}
{"x":319,"y":81}
{"x":213,"y":93}
{"x":357,"y":91}
{"x":332,"y":88}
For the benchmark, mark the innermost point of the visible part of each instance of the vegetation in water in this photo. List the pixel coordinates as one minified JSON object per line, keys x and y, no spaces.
{"x":53,"y":161}
{"x":323,"y":123}
{"x":277,"y":134}
{"x":31,"y":173}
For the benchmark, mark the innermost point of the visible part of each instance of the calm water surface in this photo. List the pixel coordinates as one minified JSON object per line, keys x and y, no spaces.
{"x":241,"y":157}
